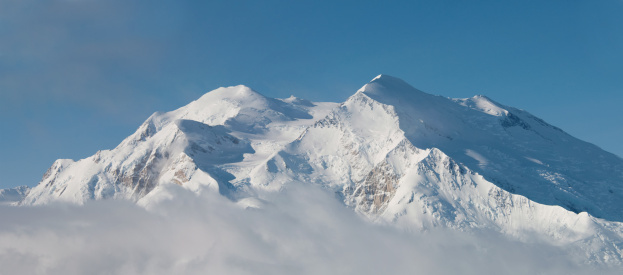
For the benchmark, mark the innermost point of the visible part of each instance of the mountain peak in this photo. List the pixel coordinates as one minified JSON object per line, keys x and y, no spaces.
{"x":385,"y":77}
{"x":238,"y":93}
{"x":385,"y":85}
{"x":298,"y":101}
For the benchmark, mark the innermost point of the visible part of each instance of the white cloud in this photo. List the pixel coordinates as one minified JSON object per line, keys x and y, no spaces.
{"x":302,"y":231}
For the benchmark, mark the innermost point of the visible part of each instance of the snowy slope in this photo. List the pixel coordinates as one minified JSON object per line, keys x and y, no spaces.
{"x":509,"y":147}
{"x":391,"y":152}
{"x":389,"y":162}
{"x":517,"y":151}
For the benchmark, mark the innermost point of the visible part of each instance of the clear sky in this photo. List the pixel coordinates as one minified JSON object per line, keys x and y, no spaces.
{"x":79,"y":76}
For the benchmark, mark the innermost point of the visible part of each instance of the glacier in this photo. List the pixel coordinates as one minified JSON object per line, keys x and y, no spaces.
{"x":392,"y":153}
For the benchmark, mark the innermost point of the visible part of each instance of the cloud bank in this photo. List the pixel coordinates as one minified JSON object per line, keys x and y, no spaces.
{"x":303,"y":230}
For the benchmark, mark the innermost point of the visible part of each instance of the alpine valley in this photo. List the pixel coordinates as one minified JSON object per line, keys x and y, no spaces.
{"x":391,"y":153}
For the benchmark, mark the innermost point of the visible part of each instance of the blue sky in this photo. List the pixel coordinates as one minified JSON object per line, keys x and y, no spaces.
{"x":79,"y":76}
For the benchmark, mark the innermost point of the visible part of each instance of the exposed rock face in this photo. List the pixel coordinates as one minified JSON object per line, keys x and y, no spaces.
{"x":376,"y":190}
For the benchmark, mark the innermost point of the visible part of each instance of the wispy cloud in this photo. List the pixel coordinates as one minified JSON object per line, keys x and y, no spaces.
{"x":303,"y":230}
{"x":99,"y":54}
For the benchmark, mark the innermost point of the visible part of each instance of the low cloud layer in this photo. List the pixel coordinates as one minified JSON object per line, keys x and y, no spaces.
{"x":303,"y":230}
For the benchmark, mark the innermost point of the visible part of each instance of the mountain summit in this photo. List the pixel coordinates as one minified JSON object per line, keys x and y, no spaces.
{"x":391,"y":152}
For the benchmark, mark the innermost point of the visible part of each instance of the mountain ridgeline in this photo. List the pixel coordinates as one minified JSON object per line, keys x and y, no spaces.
{"x":392,"y":153}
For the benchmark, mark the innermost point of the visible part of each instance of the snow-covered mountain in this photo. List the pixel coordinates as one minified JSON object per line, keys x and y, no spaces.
{"x":207,"y":144}
{"x":391,"y":152}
